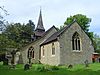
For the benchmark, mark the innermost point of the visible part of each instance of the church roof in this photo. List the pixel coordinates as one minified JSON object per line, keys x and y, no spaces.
{"x":38,"y":33}
{"x":49,"y":30}
{"x":53,"y":27}
{"x":40,"y":22}
{"x":56,"y":34}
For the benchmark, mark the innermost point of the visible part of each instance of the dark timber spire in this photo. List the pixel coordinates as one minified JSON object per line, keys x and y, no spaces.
{"x":40,"y":26}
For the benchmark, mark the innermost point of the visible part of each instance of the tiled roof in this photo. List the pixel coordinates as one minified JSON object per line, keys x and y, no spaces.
{"x":39,"y":33}
{"x":56,"y":34}
{"x":42,"y":36}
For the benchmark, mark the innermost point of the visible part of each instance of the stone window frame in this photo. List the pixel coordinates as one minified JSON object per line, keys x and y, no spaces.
{"x":31,"y":52}
{"x":53,"y":51}
{"x":43,"y":51}
{"x":76,"y":43}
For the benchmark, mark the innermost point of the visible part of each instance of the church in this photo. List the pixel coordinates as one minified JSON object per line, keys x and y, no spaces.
{"x":70,"y":45}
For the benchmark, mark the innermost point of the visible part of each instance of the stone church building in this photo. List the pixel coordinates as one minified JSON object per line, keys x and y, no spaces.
{"x":70,"y":45}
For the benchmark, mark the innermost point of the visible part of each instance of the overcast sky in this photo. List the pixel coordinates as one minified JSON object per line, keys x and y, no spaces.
{"x":54,"y":12}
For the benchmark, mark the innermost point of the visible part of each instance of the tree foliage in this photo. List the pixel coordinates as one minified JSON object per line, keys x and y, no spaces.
{"x":82,"y":20}
{"x":17,"y":35}
{"x":3,"y":22}
{"x":97,"y":43}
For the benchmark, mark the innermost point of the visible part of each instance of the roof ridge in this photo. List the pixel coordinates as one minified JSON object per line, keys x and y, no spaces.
{"x":67,"y":26}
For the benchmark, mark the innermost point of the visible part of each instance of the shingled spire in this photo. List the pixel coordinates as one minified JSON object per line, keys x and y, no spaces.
{"x":40,"y":26}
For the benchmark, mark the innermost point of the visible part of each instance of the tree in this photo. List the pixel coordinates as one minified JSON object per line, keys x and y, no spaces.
{"x":29,"y":28}
{"x":97,"y":43}
{"x":27,"y":31}
{"x":13,"y":33}
{"x":3,"y":22}
{"x":5,"y":42}
{"x":83,"y":21}
{"x":19,"y":34}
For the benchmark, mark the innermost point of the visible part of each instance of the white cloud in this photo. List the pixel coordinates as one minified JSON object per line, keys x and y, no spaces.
{"x":54,"y":11}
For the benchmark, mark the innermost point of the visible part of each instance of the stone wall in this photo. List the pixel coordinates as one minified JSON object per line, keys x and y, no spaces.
{"x":67,"y":55}
{"x":36,"y":46}
{"x":48,"y":58}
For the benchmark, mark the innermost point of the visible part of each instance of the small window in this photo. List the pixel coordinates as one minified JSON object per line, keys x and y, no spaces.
{"x":43,"y":51}
{"x":53,"y":49}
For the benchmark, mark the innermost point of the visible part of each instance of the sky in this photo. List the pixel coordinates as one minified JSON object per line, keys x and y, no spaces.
{"x":54,"y":12}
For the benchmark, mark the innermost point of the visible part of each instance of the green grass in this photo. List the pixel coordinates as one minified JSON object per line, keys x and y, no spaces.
{"x":93,"y":69}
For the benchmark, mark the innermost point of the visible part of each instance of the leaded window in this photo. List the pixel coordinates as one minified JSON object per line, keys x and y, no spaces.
{"x":76,"y":42}
{"x":31,"y":52}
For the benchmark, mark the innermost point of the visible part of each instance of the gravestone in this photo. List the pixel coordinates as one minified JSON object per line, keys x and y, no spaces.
{"x":26,"y":66}
{"x":70,"y":66}
{"x":13,"y":57}
{"x":86,"y":63}
{"x":17,"y":55}
{"x":9,"y":57}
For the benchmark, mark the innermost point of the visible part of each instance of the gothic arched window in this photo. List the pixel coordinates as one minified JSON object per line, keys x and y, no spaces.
{"x":31,"y":52}
{"x":76,"y":41}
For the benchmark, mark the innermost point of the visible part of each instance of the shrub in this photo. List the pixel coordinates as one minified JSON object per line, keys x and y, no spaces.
{"x":48,"y":68}
{"x":40,"y":68}
{"x":54,"y":67}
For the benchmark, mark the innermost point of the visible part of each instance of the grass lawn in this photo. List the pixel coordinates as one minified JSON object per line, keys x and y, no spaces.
{"x":93,"y":69}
